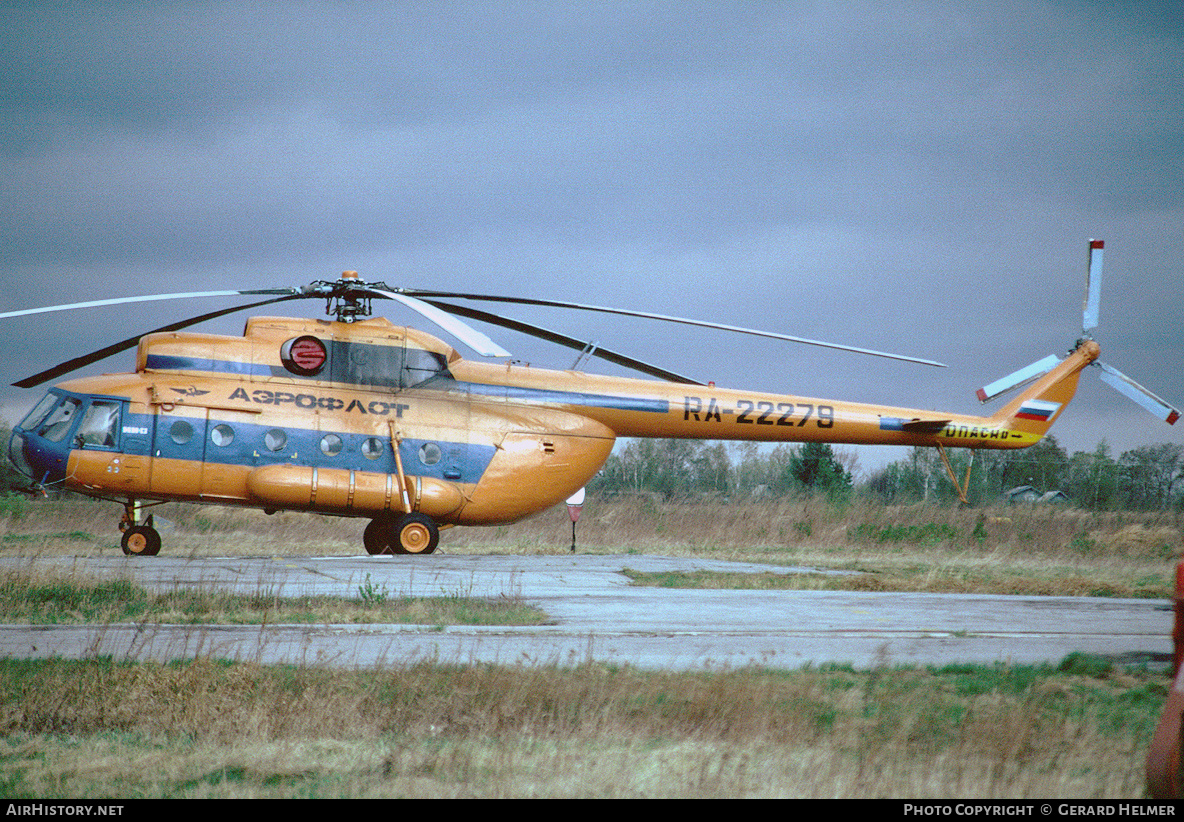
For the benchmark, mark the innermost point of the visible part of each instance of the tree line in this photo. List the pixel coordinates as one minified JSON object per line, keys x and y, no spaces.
{"x":1146,"y":478}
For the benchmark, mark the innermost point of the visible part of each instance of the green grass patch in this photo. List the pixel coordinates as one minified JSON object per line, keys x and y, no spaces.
{"x":930,"y":533}
{"x":54,"y":599}
{"x":896,"y":576}
{"x":68,"y":536}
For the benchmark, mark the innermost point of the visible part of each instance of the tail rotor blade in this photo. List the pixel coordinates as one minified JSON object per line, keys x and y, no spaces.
{"x":1093,"y":287}
{"x":1132,"y":390}
{"x":1017,"y":378}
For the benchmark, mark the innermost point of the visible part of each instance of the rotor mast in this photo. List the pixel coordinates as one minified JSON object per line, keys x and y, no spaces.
{"x":347,"y":298}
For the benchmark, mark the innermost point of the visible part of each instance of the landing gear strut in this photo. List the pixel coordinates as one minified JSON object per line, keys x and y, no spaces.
{"x":413,"y":533}
{"x":138,"y":538}
{"x":964,"y":486}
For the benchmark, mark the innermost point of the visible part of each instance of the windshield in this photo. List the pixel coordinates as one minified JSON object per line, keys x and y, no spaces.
{"x":58,"y":423}
{"x":39,"y":411}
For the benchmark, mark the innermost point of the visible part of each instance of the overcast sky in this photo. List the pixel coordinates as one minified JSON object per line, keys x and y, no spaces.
{"x":913,"y":177}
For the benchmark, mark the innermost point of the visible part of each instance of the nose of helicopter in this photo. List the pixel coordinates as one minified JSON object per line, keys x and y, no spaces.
{"x":41,"y":461}
{"x":16,"y":454}
{"x":40,"y":444}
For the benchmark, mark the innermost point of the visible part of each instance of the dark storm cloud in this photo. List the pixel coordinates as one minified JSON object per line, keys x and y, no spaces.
{"x":661,"y":120}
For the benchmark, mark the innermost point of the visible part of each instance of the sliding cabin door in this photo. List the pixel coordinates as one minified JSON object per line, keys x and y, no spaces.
{"x":178,"y":452}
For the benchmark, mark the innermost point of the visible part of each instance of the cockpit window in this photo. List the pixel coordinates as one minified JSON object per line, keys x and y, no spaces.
{"x":362,"y":364}
{"x":29,"y":423}
{"x":420,"y":366}
{"x":100,"y":425}
{"x":58,"y":423}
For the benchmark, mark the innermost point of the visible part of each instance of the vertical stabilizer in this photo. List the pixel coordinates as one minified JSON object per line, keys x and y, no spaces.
{"x":1034,"y":411}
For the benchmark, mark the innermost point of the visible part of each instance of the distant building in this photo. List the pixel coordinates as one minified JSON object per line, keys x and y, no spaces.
{"x":1026,"y":493}
{"x":1021,"y":493}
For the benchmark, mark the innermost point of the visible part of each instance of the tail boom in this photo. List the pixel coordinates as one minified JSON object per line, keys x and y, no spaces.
{"x":643,"y":408}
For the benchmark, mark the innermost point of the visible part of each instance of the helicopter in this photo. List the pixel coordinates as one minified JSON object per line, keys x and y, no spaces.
{"x":353,"y":416}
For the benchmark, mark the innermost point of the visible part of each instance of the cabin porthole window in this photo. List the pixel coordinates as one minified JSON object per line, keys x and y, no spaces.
{"x":330,"y":445}
{"x":429,"y":453}
{"x":222,"y":435}
{"x":372,"y":448}
{"x":181,"y":432}
{"x":275,"y":440}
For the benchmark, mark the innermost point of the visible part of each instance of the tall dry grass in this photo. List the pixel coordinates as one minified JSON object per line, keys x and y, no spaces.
{"x":1025,"y":549}
{"x":628,"y":524}
{"x":203,"y":728}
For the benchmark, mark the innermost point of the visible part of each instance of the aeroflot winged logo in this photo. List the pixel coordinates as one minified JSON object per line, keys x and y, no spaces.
{"x":191,"y":391}
{"x":303,"y":355}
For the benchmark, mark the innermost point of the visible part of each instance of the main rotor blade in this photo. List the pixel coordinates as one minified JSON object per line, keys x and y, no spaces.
{"x":665,"y":318}
{"x":467,"y":334}
{"x":130,"y":342}
{"x":564,"y":340}
{"x":1132,"y":390}
{"x":1093,"y":287}
{"x":145,"y":299}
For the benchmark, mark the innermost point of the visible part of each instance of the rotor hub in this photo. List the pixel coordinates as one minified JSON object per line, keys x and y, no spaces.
{"x":348,"y":298}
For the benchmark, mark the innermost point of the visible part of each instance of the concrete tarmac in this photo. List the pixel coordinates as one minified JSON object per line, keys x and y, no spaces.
{"x":599,"y":616}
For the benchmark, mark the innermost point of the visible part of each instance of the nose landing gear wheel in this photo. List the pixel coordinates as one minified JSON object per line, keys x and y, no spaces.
{"x":142,"y":540}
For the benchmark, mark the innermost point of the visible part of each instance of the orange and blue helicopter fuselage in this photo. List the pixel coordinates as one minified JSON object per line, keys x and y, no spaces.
{"x":368,"y":419}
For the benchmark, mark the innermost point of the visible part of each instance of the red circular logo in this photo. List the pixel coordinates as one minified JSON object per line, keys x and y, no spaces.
{"x":303,"y":355}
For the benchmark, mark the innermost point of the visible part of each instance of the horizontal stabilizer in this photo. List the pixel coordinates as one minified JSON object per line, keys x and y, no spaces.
{"x":913,"y":426}
{"x":1132,"y":390}
{"x":1018,"y":378}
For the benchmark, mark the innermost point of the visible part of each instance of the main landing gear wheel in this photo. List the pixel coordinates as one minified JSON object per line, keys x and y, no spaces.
{"x":416,"y":534}
{"x":412,"y":533}
{"x":142,"y":540}
{"x":377,"y":536}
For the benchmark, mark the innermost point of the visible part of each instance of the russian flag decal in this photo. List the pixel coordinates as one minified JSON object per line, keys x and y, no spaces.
{"x":1039,"y":410}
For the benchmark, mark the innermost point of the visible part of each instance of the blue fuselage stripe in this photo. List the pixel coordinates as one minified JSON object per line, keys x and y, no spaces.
{"x":247,"y":444}
{"x":455,"y":461}
{"x":165,"y":362}
{"x":577,"y":399}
